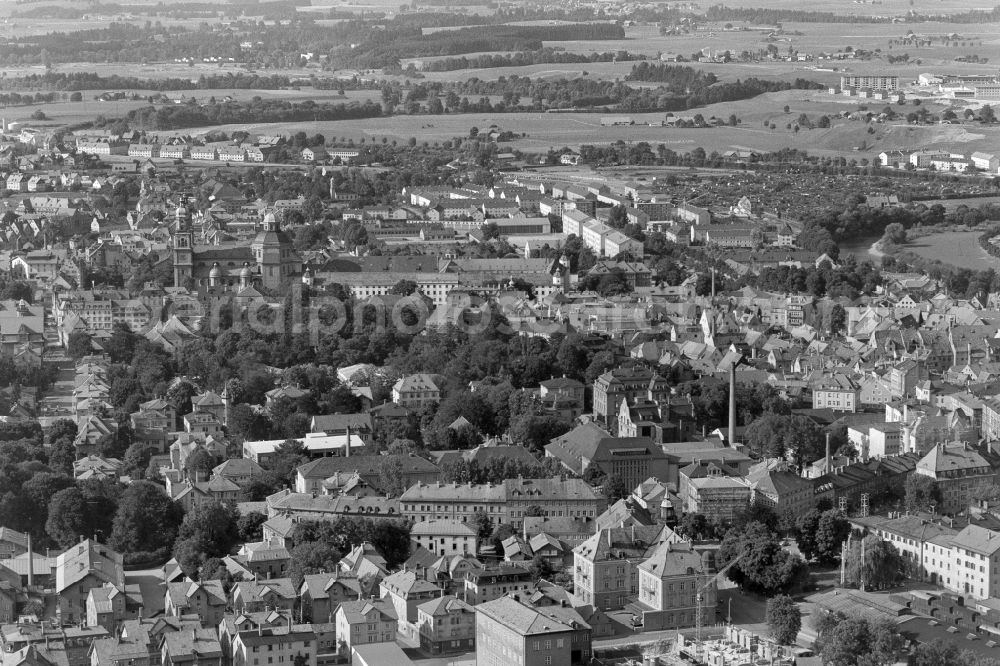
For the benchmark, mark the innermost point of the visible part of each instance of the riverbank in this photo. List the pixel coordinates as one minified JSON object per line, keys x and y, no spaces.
{"x":862,"y":249}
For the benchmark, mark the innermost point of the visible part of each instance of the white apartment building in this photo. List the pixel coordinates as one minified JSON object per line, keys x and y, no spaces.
{"x":446,"y":537}
{"x":963,"y":561}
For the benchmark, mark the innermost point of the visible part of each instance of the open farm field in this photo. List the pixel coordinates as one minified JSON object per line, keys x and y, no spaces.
{"x":556,"y":130}
{"x":390,"y":7}
{"x":958,"y":248}
{"x":27,"y":27}
{"x":162,"y":70}
{"x":69,"y":113}
{"x":815,"y":38}
{"x":870,"y":8}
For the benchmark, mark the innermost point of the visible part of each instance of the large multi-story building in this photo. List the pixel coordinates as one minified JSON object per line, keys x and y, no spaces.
{"x":488,"y":583}
{"x":512,"y":633}
{"x":670,"y":581}
{"x":869,"y":82}
{"x":505,"y":503}
{"x":965,"y":561}
{"x":446,"y":537}
{"x":837,"y":392}
{"x":634,"y":459}
{"x":604,"y":566}
{"x":714,"y":494}
{"x":284,"y":644}
{"x":269,"y":260}
{"x":959,"y":470}
{"x":780,"y":489}
{"x":626,"y":384}
{"x":97,"y":311}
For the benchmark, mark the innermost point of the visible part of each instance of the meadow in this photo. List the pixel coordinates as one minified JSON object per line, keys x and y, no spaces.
{"x":844,"y":138}
{"x":70,"y":113}
{"x":814,"y":38}
{"x":957,"y":248}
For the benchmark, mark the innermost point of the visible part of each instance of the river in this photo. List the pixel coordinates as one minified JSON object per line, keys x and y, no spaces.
{"x":859,"y":247}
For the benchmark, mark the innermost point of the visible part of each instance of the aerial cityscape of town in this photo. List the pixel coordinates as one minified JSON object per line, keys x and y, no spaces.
{"x":499,"y":333}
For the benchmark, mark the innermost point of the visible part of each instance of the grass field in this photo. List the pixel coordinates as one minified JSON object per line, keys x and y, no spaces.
{"x":573,"y":129}
{"x":68,"y":113}
{"x":814,"y":38}
{"x":165,"y":70}
{"x":958,"y":248}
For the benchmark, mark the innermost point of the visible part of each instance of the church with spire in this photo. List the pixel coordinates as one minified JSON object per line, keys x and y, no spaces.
{"x":268,"y":261}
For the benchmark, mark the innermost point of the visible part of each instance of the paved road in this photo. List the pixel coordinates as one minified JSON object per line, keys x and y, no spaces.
{"x":57,"y":402}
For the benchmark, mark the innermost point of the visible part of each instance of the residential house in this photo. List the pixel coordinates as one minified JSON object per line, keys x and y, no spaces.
{"x":364,"y":622}
{"x":266,"y":559}
{"x":288,"y":644}
{"x":446,"y":624}
{"x":488,"y":583}
{"x":446,"y":537}
{"x":206,"y":599}
{"x":320,"y":594}
{"x":194,"y":647}
{"x":405,"y":590}
{"x":416,"y":391}
{"x":12,"y":543}
{"x":81,"y":568}
{"x":252,"y":596}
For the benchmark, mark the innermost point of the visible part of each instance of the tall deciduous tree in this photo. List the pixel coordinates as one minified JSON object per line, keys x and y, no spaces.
{"x":78,"y":344}
{"x":921,"y":492}
{"x":831,"y":531}
{"x":146,"y":520}
{"x":208,"y":530}
{"x":68,"y":519}
{"x":784,"y":619}
{"x":805,"y":533}
{"x":763,"y":565}
{"x":851,"y":641}
{"x":136,"y":459}
{"x":874,"y":564}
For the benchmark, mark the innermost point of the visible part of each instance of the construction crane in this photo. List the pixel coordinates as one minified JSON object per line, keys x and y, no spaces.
{"x":699,"y":599}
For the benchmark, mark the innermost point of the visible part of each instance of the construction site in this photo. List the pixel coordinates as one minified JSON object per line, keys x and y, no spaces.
{"x":736,"y":647}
